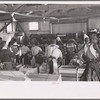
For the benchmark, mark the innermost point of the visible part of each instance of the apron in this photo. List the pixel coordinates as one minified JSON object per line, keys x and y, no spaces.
{"x":53,"y":66}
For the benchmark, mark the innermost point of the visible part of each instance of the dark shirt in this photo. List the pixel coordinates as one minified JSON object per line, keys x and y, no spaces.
{"x":1,"y":45}
{"x":5,"y":55}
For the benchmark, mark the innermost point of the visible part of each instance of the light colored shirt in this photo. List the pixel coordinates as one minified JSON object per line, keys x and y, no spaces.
{"x":54,"y":51}
{"x":91,"y":52}
{"x":86,"y":46}
{"x":35,"y":50}
{"x":24,"y":49}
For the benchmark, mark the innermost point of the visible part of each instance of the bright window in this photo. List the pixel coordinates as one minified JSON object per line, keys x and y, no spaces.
{"x":9,"y":28}
{"x":33,"y":26}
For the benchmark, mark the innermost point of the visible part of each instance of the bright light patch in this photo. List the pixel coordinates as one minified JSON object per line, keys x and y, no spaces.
{"x":9,"y":28}
{"x":33,"y":26}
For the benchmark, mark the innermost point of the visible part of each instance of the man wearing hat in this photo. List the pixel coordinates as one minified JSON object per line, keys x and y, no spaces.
{"x":85,"y":46}
{"x":86,"y":43}
{"x":92,"y":55}
{"x":59,"y":42}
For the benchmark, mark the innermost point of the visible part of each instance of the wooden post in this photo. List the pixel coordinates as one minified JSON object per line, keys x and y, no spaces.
{"x":51,"y":28}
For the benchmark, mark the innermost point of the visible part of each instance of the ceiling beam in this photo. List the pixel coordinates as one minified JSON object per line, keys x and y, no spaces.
{"x":69,"y":21}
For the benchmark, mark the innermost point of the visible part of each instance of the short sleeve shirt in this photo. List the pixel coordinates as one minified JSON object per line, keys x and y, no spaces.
{"x":35,"y":50}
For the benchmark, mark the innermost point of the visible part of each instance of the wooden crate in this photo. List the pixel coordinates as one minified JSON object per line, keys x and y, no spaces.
{"x":44,"y":77}
{"x":80,"y":72}
{"x":12,"y":76}
{"x":28,"y":70}
{"x":70,"y":72}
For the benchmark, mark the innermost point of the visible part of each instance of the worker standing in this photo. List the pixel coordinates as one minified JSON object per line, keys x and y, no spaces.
{"x":35,"y":50}
{"x":54,"y":55}
{"x":92,"y":54}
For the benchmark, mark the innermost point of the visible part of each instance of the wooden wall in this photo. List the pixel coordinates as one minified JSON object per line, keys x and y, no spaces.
{"x":94,"y":23}
{"x":73,"y":27}
{"x":44,"y":28}
{"x":69,"y":28}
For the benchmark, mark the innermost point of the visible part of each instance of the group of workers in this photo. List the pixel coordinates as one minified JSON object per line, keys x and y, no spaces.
{"x":54,"y":56}
{"x":33,"y":55}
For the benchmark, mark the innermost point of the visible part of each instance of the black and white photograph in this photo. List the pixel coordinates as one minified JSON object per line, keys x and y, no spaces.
{"x":49,"y":42}
{"x":49,"y":50}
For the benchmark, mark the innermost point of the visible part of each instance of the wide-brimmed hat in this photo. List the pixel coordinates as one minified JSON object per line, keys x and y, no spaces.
{"x":93,"y":32}
{"x":98,"y":34}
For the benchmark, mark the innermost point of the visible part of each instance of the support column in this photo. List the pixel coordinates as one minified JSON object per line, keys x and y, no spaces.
{"x":51,"y":28}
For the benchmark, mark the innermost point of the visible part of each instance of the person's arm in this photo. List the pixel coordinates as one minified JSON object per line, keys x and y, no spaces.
{"x":12,"y":55}
{"x":40,"y":50}
{"x":96,"y":48}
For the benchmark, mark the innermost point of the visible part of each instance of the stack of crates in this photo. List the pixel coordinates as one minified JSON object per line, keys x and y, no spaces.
{"x":70,"y":72}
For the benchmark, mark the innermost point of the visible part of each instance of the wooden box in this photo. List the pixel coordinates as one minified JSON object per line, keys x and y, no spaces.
{"x":12,"y":76}
{"x":44,"y":77}
{"x":70,"y":72}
